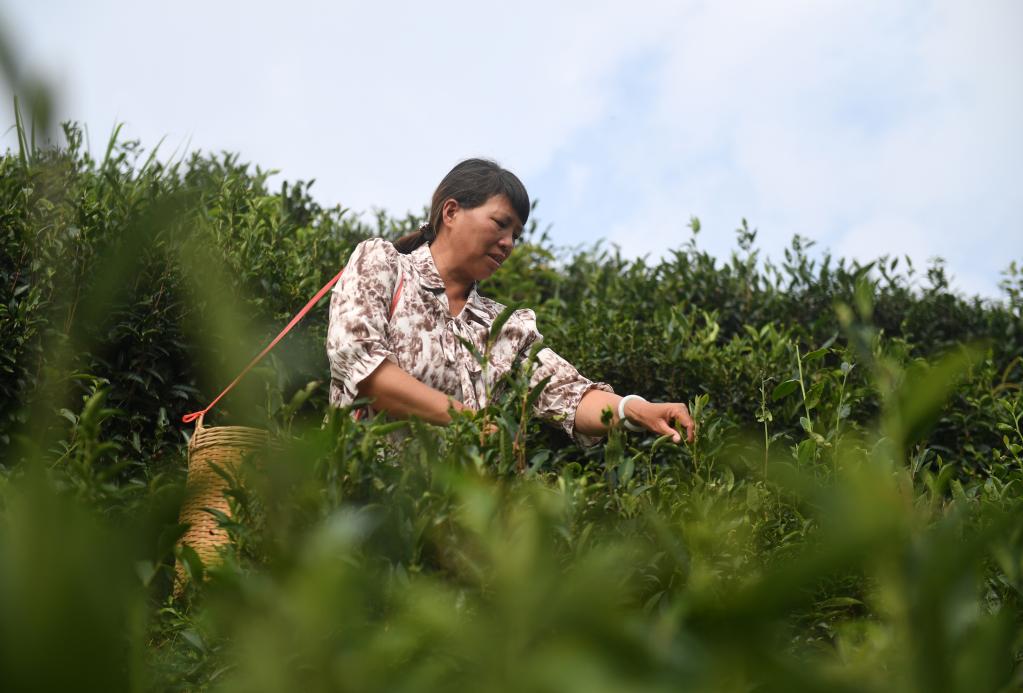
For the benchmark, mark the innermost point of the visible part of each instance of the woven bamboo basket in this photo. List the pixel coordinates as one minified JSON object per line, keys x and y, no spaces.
{"x":226,"y":447}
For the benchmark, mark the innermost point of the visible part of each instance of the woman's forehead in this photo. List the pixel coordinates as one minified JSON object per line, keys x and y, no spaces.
{"x":500,"y":203}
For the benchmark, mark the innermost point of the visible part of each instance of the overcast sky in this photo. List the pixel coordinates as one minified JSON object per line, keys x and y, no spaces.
{"x":870,"y":127}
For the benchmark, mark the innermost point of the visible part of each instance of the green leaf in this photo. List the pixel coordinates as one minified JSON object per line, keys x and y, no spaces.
{"x":193,"y":565}
{"x":925,"y":389}
{"x":299,"y":399}
{"x":754,"y":498}
{"x":538,"y":460}
{"x":193,"y":639}
{"x":652,"y":602}
{"x":385,"y":428}
{"x":814,"y":355}
{"x":784,"y":389}
{"x":228,"y":475}
{"x":957,"y":491}
{"x":805,"y":451}
{"x":626,"y":470}
{"x":498,"y":325}
{"x":658,"y":443}
{"x":480,"y":358}
{"x":535,"y":392}
{"x":168,"y":538}
{"x":145,"y":570}
{"x":813,"y":396}
{"x":838,"y":603}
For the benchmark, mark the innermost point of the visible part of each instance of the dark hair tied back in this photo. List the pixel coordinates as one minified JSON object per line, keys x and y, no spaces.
{"x":470,"y":183}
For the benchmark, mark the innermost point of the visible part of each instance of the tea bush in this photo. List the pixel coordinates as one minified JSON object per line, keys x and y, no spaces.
{"x":849,"y":517}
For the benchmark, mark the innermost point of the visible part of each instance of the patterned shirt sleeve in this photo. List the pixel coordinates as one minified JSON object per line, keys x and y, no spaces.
{"x":359,"y":307}
{"x":560,"y":399}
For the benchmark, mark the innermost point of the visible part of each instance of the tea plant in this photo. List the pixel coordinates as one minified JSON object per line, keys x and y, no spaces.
{"x":848,"y":517}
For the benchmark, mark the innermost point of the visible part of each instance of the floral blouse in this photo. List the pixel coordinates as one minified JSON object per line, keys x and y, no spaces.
{"x":421,"y":336}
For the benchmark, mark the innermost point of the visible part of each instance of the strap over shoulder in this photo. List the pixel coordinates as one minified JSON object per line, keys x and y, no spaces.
{"x":190,"y":417}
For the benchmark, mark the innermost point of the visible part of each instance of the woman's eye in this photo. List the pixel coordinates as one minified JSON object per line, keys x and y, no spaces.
{"x":503,"y":225}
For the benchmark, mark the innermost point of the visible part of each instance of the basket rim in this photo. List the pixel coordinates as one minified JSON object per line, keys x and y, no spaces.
{"x":246,"y":436}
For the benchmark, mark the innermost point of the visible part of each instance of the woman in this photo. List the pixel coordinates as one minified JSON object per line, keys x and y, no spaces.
{"x":400,"y":311}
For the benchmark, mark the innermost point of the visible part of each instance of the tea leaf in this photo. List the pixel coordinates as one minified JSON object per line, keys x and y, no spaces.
{"x":784,"y":389}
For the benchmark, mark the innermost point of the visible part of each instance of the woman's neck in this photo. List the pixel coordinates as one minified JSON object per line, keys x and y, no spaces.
{"x":457,"y":283}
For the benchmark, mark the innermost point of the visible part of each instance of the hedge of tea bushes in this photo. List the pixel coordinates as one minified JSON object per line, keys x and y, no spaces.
{"x":849,"y":517}
{"x":165,"y":278}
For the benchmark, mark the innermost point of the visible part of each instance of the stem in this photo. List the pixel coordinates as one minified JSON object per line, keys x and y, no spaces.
{"x":838,"y":412}
{"x":802,"y":389}
{"x":838,"y":420}
{"x":1015,"y":420}
{"x":517,"y":446}
{"x":763,"y":415}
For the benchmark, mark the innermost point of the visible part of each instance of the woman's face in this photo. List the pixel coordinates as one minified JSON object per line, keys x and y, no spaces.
{"x":482,"y":237}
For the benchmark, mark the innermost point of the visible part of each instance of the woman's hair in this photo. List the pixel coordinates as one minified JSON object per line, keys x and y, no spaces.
{"x":470,"y":183}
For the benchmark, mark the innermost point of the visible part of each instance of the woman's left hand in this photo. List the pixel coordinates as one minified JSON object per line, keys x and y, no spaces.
{"x":658,"y":417}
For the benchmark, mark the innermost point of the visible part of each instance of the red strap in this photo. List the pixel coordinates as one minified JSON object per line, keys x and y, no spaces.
{"x":397,"y":295}
{"x":189,"y":418}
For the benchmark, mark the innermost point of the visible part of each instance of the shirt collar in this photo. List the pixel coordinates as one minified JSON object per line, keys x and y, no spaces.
{"x":474,"y":303}
{"x":429,"y":276}
{"x":422,"y":259}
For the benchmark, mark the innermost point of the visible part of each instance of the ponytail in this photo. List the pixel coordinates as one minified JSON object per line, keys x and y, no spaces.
{"x":409,"y":242}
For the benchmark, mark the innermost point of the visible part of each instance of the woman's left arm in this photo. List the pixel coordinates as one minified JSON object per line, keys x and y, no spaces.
{"x":656,"y":417}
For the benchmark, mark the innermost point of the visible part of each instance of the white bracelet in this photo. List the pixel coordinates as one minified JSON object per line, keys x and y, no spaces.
{"x":621,"y":413}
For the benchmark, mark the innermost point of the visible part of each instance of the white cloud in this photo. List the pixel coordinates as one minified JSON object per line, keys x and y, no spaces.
{"x":824,"y":119}
{"x":832,"y":120}
{"x":375,"y":101}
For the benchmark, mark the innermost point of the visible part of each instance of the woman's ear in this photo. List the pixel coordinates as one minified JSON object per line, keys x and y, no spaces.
{"x":448,"y":210}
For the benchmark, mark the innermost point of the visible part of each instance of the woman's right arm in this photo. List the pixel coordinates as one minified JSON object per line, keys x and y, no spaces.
{"x":361,"y":361}
{"x":401,"y":395}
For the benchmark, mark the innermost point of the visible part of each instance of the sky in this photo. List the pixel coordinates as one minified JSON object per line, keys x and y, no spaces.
{"x":869,"y":127}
